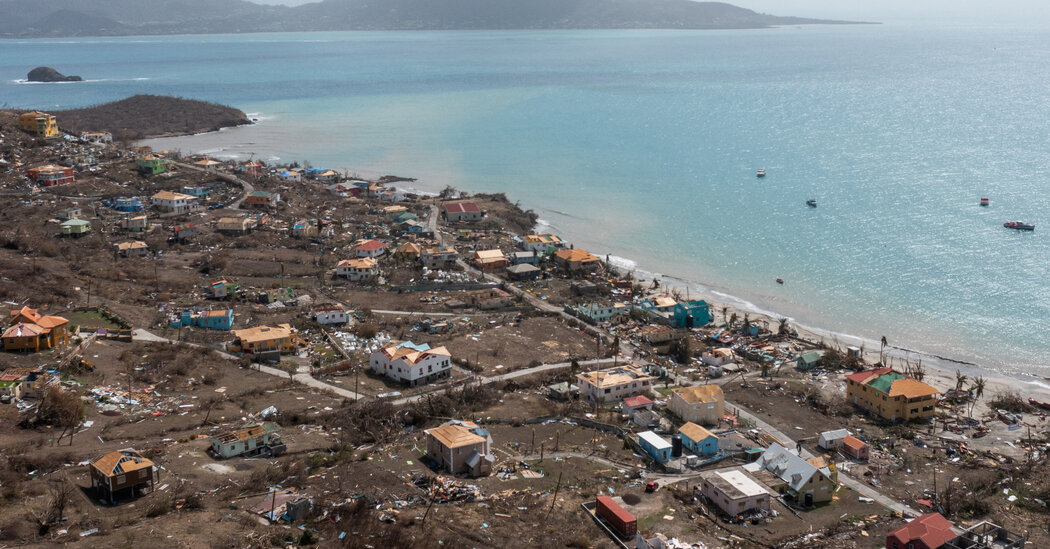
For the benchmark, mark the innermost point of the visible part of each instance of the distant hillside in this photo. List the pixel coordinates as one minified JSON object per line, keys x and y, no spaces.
{"x":144,"y":116}
{"x":26,"y":18}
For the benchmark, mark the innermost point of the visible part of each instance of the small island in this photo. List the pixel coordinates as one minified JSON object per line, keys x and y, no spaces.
{"x":148,"y":116}
{"x":48,"y":74}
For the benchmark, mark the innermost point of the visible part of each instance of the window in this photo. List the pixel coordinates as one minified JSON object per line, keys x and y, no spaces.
{"x":120,"y":479}
{"x":142,"y":473}
{"x":607,"y":391}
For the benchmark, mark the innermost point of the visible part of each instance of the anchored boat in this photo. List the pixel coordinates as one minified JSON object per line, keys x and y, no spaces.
{"x":1019,"y":226}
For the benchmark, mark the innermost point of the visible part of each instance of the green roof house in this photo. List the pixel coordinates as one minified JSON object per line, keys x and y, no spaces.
{"x":75,"y":227}
{"x":809,"y":360}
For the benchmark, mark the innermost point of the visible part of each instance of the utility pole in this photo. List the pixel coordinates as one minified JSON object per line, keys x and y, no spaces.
{"x":554,"y":499}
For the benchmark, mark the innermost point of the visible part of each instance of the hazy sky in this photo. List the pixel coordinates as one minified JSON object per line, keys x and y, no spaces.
{"x":964,"y":11}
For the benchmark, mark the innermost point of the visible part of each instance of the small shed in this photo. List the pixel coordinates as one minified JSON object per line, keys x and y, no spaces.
{"x":830,"y":440}
{"x":654,"y":445}
{"x":855,"y":448}
{"x":808,"y":360}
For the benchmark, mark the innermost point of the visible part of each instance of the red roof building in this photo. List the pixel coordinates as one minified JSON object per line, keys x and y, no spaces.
{"x":462,"y":211}
{"x":930,"y":531}
{"x":638,"y":401}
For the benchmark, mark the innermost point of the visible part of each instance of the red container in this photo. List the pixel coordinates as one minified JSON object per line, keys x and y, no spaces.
{"x":622,"y":521}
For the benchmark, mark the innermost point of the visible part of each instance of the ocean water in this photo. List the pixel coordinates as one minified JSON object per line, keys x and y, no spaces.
{"x":644,"y":145}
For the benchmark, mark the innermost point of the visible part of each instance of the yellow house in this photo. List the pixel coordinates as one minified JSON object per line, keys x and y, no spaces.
{"x":704,"y":405}
{"x":28,"y":330}
{"x":891,"y":395}
{"x":267,"y":339}
{"x":39,"y":123}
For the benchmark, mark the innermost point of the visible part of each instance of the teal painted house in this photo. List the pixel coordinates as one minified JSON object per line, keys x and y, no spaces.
{"x":809,"y":360}
{"x":691,"y":314}
{"x":698,"y":440}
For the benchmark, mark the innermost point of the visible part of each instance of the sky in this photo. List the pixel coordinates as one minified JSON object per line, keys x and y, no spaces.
{"x":957,"y":11}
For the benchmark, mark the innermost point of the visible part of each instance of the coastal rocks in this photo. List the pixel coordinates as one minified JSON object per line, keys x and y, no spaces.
{"x":48,"y":74}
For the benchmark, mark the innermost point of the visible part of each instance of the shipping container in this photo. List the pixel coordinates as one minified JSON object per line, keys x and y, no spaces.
{"x":621,"y":521}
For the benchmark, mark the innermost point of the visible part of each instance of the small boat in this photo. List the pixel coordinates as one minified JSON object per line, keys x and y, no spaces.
{"x":761,"y":172}
{"x":812,"y":203}
{"x":980,"y":433}
{"x":1037,"y":404}
{"x":780,"y":281}
{"x":984,"y":202}
{"x":1019,"y":226}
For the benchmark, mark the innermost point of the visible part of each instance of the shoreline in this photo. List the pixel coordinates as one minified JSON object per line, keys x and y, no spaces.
{"x":940,"y":367}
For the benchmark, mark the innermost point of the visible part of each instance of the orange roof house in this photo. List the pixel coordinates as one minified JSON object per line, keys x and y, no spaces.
{"x":28,"y":330}
{"x":930,"y":531}
{"x":855,"y":447}
{"x":891,"y":394}
{"x":577,"y":259}
{"x":488,"y":260}
{"x":121,"y":470}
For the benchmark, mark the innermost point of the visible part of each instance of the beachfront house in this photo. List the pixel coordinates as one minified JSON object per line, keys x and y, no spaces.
{"x":656,"y":446}
{"x":703,"y":404}
{"x":891,"y":395}
{"x":734,"y":491}
{"x":809,"y":360}
{"x":412,"y":364}
{"x":614,"y":383}
{"x":168,"y":201}
{"x":51,"y":175}
{"x":542,"y":244}
{"x":461,"y":211}
{"x":357,"y":269}
{"x":290,"y":176}
{"x":460,"y":447}
{"x":438,"y":258}
{"x":577,"y":260}
{"x":799,"y":479}
{"x":698,"y":440}
{"x":38,"y":123}
{"x":596,"y":313}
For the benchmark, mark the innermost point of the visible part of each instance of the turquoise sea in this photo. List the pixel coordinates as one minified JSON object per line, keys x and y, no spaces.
{"x":644,"y":145}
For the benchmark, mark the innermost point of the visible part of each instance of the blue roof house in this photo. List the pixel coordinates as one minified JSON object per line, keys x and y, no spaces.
{"x":657,"y":448}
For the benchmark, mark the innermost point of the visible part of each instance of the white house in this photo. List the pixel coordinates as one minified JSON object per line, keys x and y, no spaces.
{"x":412,"y":364}
{"x":614,"y":383}
{"x":358,"y":269}
{"x":168,"y":201}
{"x":734,"y":491}
{"x":369,"y":248}
{"x":329,"y":313}
{"x":718,"y":357}
{"x":540,"y":243}
{"x":830,"y":440}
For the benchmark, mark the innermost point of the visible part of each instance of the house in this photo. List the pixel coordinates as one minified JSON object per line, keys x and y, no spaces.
{"x":183,"y":232}
{"x":638,"y":402}
{"x":235,"y":225}
{"x":411,"y":226}
{"x":542,"y":244}
{"x":343,"y":189}
{"x":252,"y":439}
{"x":830,"y":440}
{"x":75,"y":227}
{"x":718,"y":357}
{"x":126,"y":205}
{"x":523,"y":272}
{"x":369,"y":248}
{"x":168,"y":201}
{"x":809,"y":360}
{"x":120,"y":471}
{"x":489,"y":260}
{"x":597,"y":314}
{"x":460,"y":447}
{"x":51,"y":175}
{"x":734,"y":491}
{"x":207,"y":164}
{"x":439,"y":257}
{"x":221,"y":319}
{"x":698,"y":440}
{"x":132,"y":248}
{"x":577,"y":260}
{"x":254,"y":167}
{"x":262,"y":199}
{"x":25,"y":382}
{"x":281,"y":339}
{"x":529,"y":257}
{"x":855,"y":448}
{"x":100,"y":138}
{"x":614,"y":383}
{"x":798,"y":479}
{"x":305,"y":228}
{"x":491,"y":298}
{"x":195,"y":190}
{"x":69,"y":213}
{"x":290,"y":176}
{"x":461,"y":211}
{"x":929,"y":531}
{"x":891,"y":395}
{"x":223,"y":288}
{"x":412,"y":364}
{"x":38,"y":123}
{"x":985,"y":535}
{"x":654,"y":445}
{"x":329,"y":313}
{"x":691,"y":314}
{"x":408,"y":250}
{"x":328,"y":176}
{"x":134,"y":224}
{"x":402,"y":216}
{"x":356,"y":270}
{"x":151,"y":165}
{"x":704,"y":404}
